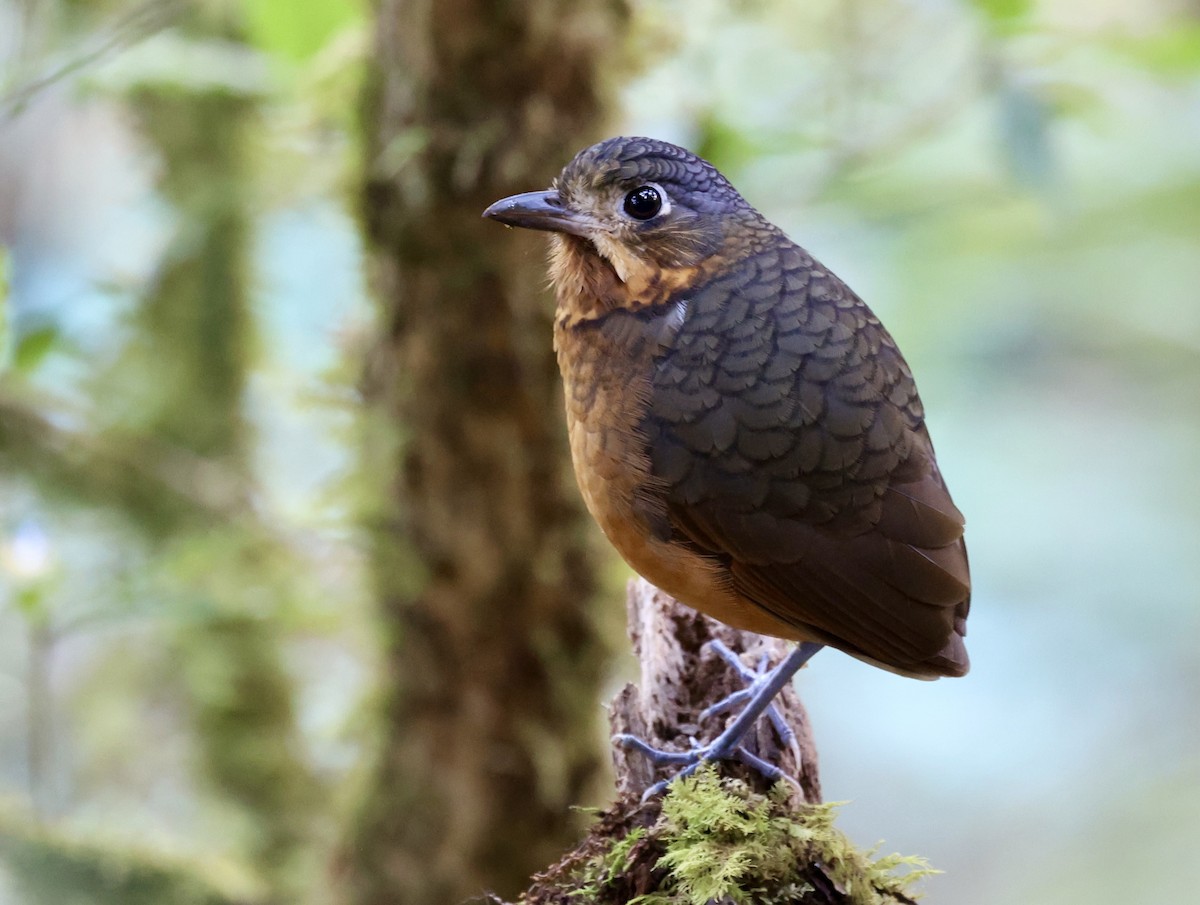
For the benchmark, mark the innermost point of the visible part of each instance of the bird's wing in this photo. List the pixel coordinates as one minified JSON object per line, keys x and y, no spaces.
{"x":787,"y":438}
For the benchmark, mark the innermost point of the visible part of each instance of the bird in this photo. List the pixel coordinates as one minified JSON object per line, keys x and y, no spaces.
{"x":743,"y":428}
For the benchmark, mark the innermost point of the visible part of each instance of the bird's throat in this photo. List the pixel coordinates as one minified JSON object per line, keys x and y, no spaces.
{"x":586,"y":285}
{"x":593,"y":280}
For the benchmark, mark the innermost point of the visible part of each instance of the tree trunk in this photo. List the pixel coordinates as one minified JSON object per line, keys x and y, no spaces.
{"x":478,"y":544}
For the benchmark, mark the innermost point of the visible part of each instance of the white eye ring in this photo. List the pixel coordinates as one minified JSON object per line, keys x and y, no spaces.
{"x":647,"y":201}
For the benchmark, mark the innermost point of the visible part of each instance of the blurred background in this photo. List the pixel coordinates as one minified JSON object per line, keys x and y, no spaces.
{"x":297,"y":603}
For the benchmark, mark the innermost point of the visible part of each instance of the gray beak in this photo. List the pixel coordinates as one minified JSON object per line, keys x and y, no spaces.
{"x":537,"y":210}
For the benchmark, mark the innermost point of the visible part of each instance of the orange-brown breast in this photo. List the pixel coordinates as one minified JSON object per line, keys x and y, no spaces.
{"x":606,"y":352}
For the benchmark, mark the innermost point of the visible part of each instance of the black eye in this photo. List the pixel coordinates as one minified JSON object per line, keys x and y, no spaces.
{"x":643,"y":202}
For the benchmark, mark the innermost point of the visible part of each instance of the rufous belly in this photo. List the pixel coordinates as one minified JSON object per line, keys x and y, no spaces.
{"x":613,"y":471}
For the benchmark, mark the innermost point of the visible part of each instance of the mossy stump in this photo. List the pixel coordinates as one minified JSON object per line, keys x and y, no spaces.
{"x":724,"y":836}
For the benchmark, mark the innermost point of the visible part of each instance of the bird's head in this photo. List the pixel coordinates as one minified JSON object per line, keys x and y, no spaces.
{"x":646,"y":211}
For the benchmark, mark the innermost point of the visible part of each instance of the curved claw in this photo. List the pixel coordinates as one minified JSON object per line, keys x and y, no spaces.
{"x":769,"y":771}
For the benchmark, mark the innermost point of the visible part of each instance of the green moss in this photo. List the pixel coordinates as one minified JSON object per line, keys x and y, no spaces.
{"x":715,"y":840}
{"x":599,"y":872}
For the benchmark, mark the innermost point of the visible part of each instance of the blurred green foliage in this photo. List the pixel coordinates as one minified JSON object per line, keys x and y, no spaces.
{"x":1172,"y":51}
{"x":51,"y":869}
{"x":1004,"y":14}
{"x":276,"y":29}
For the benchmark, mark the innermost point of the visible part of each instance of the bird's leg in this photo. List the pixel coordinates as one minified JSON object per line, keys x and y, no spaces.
{"x":762,"y":690}
{"x":750,"y":677}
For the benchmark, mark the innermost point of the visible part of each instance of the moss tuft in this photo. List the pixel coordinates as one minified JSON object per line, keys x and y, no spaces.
{"x":716,"y":840}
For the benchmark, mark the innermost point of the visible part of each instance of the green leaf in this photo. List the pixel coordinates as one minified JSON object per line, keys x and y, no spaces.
{"x":1173,"y":51}
{"x":33,"y":347}
{"x":30,"y":602}
{"x":1004,"y":14}
{"x":297,"y":31}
